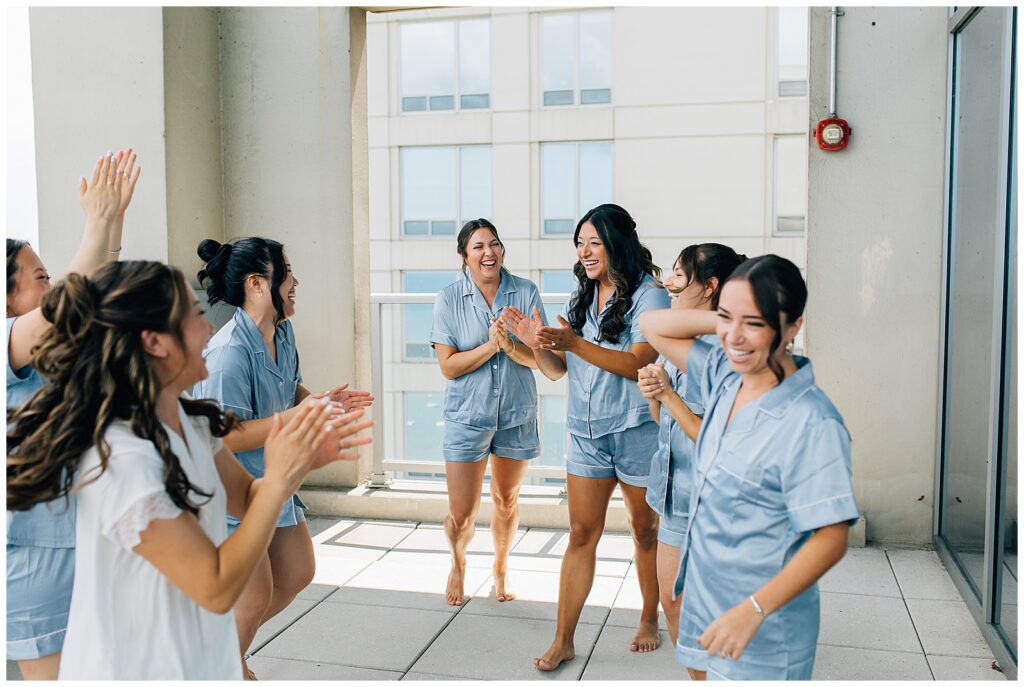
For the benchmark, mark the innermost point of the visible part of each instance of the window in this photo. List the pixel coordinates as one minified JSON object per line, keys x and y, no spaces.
{"x":575,"y":177}
{"x":790,"y":185}
{"x":418,"y":319}
{"x":445,"y":65}
{"x":424,"y":419}
{"x":442,"y":188}
{"x":553,"y":437}
{"x":576,"y":58}
{"x":792,"y":51}
{"x":556,"y":281}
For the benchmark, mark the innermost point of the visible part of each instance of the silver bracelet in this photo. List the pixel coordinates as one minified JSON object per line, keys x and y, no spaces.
{"x":757,"y":606}
{"x":115,"y":251}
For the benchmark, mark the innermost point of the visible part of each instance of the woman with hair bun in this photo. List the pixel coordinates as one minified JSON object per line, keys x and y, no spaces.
{"x":696,"y":281}
{"x":254,"y":373}
{"x":612,"y":436}
{"x":40,"y":541}
{"x":772,"y":499}
{"x":156,"y":570}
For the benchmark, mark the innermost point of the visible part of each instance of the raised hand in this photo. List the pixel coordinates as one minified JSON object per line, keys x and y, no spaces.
{"x":525,"y":328}
{"x":291,"y":447}
{"x":100,"y":197}
{"x":558,"y":338}
{"x":337,"y":432}
{"x":128,"y":175}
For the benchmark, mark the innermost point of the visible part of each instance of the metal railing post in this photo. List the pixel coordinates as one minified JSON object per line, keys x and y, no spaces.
{"x":378,"y":478}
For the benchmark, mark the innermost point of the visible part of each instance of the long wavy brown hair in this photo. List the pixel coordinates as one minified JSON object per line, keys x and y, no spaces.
{"x":98,"y":372}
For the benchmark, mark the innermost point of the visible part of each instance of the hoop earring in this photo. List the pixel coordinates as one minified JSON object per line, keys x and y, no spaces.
{"x":789,"y":348}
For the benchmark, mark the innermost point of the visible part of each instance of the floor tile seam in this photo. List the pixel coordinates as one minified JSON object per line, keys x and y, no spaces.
{"x":523,"y":617}
{"x":875,"y":596}
{"x":913,"y":623}
{"x":430,"y":643}
{"x":288,"y":625}
{"x":333,"y":663}
{"x":593,"y":648}
{"x":980,"y":658}
{"x":401,"y":608}
{"x":872,"y":648}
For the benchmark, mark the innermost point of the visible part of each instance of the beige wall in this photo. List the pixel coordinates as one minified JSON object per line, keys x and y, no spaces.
{"x":98,"y":85}
{"x":874,"y":254}
{"x":243,"y":121}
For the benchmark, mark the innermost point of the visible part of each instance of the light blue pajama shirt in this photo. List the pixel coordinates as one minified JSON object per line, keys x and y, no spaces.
{"x":40,"y":553}
{"x":245,"y":380}
{"x":779,"y":471}
{"x":492,"y":409}
{"x":611,"y":431}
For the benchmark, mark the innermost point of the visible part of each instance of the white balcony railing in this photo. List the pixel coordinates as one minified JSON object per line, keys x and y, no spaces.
{"x":409,"y":389}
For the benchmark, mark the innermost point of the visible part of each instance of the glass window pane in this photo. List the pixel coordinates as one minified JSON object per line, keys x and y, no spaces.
{"x":428,"y":183}
{"x":558,"y":98}
{"x":417,"y":104}
{"x":476,"y":182}
{"x":558,"y":52}
{"x":790,"y":183}
{"x":418,"y":319}
{"x":595,"y":175}
{"x":559,"y":226}
{"x":417,"y":227}
{"x":556,"y":281}
{"x":595,"y":95}
{"x":976,"y":238}
{"x":792,"y":89}
{"x":423,"y":423}
{"x":443,"y":228}
{"x":475,"y":56}
{"x":427,"y":58}
{"x":442,"y":102}
{"x":553,"y":435}
{"x":596,"y":50}
{"x":475,"y":102}
{"x":558,"y":181}
{"x":792,"y":36}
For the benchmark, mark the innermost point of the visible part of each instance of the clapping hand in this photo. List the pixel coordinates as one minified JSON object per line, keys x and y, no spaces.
{"x":346,"y":400}
{"x":558,"y":338}
{"x":525,"y":328}
{"x":336,"y":440}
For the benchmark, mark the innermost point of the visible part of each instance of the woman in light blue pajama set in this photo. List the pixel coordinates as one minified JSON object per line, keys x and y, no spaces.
{"x":695,"y":281}
{"x":254,"y":373}
{"x":772,"y":488}
{"x":41,"y":541}
{"x":490,"y":399}
{"x":612,"y":436}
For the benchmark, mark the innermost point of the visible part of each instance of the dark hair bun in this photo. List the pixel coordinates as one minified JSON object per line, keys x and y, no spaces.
{"x":741,"y":258}
{"x":208,"y":249}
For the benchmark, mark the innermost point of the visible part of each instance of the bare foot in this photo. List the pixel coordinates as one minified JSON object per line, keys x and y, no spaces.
{"x":247,"y":673}
{"x":646,"y":639}
{"x":501,"y":586}
{"x":555,"y":656}
{"x":454,"y":593}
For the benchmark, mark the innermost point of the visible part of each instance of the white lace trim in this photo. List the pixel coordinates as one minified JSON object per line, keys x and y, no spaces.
{"x":155,"y":506}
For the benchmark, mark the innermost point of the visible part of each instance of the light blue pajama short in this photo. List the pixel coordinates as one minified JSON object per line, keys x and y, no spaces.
{"x":292,"y":513}
{"x":39,"y":583}
{"x":671,"y":527}
{"x":465,"y":444}
{"x":625,"y":455}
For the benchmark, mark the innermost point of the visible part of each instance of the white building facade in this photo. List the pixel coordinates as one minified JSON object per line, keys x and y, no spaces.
{"x":693,"y":119}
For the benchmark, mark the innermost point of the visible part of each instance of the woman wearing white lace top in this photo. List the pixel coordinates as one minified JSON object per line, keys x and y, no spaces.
{"x":156,"y":572}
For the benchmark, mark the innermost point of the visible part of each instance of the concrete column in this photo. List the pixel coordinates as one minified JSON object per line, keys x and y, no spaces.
{"x":874,"y":253}
{"x":286,"y":83}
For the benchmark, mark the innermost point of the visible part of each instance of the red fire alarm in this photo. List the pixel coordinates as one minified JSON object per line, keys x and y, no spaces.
{"x":832,"y":133}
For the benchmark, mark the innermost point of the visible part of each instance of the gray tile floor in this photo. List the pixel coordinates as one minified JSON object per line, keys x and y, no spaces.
{"x":376,"y":611}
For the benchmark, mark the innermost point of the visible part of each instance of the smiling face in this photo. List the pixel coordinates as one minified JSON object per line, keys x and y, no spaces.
{"x":746,"y":337}
{"x":686,"y":292}
{"x":32,"y":281}
{"x":484,"y":256}
{"x":591,"y":252}
{"x":288,"y":287}
{"x":196,"y":331}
